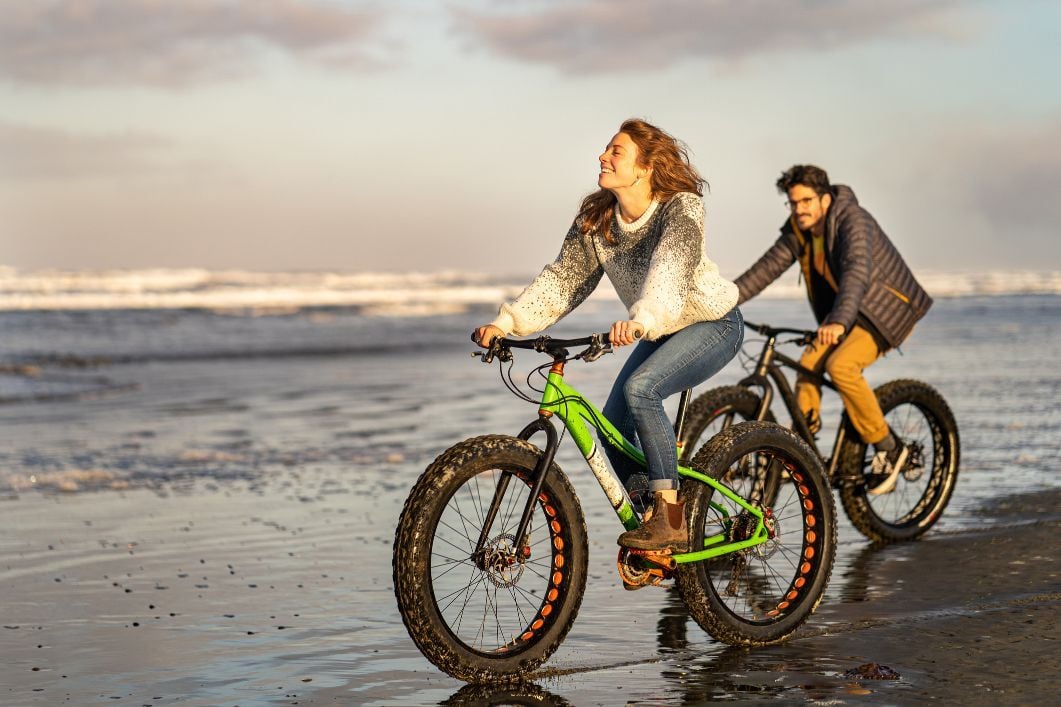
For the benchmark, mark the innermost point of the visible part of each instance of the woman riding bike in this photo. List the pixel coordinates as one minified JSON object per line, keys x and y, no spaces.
{"x":644,"y":228}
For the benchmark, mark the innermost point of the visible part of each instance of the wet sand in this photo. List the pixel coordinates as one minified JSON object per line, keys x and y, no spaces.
{"x":281,"y":595}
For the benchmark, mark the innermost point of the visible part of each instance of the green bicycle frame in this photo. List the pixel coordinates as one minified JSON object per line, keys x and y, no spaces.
{"x":578,"y":415}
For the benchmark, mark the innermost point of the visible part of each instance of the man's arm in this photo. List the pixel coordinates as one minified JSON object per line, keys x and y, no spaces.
{"x":768,"y":268}
{"x":854,"y":246}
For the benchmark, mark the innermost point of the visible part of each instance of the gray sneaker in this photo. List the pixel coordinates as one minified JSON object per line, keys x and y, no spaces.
{"x":885,"y":469}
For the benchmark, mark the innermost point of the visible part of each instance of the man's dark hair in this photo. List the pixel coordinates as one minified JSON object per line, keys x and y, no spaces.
{"x":806,"y":174}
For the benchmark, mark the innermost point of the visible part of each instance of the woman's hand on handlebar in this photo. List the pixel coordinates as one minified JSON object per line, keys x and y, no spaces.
{"x":485,"y":335}
{"x":626,"y":332}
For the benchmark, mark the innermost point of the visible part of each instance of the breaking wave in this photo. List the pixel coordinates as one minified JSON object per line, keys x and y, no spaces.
{"x":372,"y":294}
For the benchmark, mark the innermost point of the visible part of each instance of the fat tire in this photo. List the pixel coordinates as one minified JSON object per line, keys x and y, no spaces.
{"x":808,"y":556}
{"x":557,"y":507}
{"x":869,"y":514}
{"x":734,"y":403}
{"x":712,"y":404}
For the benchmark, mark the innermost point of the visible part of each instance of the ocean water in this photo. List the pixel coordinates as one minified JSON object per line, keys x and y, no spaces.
{"x":96,"y":399}
{"x":334,"y":410}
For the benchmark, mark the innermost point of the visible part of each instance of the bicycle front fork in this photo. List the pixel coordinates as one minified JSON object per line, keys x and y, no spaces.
{"x":542,"y":424}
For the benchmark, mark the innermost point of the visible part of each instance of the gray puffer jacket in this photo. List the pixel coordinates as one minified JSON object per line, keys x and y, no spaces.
{"x":872,"y":278}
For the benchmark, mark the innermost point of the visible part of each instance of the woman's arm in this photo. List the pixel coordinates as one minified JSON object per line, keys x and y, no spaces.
{"x":562,"y":285}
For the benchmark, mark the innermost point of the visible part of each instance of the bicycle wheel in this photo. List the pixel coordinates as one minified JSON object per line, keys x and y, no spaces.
{"x":715,"y":410}
{"x":921,"y":418}
{"x":762,"y":594}
{"x":501,"y":612}
{"x":719,"y":409}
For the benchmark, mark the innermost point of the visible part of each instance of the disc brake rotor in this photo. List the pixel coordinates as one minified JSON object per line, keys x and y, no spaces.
{"x":501,"y":561}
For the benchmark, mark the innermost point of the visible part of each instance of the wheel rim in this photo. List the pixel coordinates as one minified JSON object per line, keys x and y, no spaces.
{"x":499,"y":600}
{"x":916,"y":489}
{"x":762,"y":584}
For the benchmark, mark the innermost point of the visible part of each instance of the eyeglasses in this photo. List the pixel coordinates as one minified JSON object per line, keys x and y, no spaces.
{"x":804,"y":202}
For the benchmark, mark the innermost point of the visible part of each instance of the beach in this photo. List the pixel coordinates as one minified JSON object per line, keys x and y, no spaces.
{"x":200,"y":508}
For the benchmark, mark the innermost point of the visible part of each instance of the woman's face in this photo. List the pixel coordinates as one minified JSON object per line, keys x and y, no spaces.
{"x":618,"y":164}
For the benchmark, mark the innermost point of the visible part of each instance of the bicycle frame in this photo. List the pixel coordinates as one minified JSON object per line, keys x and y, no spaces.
{"x":767,"y":371}
{"x":578,"y":414}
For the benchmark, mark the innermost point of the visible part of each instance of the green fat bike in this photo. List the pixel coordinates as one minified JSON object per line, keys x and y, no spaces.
{"x":490,"y":553}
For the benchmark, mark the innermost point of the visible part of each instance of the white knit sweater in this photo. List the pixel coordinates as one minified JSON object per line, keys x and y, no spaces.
{"x":657,"y":265}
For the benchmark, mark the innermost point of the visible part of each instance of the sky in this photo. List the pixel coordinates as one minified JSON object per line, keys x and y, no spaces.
{"x":406,"y":135}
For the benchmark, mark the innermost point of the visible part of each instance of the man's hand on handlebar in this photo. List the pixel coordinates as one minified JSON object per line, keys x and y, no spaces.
{"x":626,"y":332}
{"x":829,"y":334}
{"x":485,"y":335}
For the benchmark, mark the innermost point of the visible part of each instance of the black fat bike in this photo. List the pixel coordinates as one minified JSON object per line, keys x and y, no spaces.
{"x":914,"y":410}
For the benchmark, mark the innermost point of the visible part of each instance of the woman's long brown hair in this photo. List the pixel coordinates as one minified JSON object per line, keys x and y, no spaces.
{"x":672,"y":173}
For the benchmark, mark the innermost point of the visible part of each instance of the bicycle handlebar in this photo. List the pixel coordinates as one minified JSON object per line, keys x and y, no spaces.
{"x":599,"y":344}
{"x":805,"y":335}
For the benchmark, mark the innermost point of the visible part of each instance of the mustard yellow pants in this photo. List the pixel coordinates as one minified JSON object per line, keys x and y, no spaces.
{"x":844,"y":362}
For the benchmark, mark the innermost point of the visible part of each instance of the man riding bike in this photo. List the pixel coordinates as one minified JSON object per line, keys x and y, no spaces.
{"x":864,"y":297}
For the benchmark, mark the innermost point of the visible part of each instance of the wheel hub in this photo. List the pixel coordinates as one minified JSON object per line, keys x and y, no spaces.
{"x":915,"y":463}
{"x":501,"y":560}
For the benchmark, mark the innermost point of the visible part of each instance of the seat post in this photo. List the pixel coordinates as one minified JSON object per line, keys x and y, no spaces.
{"x":679,"y":420}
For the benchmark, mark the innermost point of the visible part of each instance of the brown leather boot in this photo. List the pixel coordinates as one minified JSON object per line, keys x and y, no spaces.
{"x":664,"y":530}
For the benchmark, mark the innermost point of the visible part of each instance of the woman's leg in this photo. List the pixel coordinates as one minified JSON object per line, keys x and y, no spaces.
{"x":683,"y":360}
{"x":618,"y":413}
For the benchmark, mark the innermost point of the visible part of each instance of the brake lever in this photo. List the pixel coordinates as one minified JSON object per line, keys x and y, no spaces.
{"x":596,"y":350}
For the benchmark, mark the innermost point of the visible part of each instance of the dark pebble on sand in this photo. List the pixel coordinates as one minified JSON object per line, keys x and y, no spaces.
{"x":872,"y":671}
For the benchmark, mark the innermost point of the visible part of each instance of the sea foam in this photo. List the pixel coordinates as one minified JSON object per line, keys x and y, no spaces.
{"x":375,"y":294}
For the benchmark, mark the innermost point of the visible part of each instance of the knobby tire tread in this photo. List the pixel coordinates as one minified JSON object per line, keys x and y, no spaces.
{"x":412,"y":558}
{"x":697,"y":590}
{"x":853,"y":495}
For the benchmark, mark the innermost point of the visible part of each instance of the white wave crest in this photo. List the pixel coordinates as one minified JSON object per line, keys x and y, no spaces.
{"x":376,"y":294}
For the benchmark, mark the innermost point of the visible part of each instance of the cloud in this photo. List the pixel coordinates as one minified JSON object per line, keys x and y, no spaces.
{"x":31,"y":153}
{"x":603,"y":36}
{"x":1012,"y":178}
{"x":172,"y":43}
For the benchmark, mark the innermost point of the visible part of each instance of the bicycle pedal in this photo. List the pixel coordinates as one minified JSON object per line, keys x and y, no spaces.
{"x":663,"y":559}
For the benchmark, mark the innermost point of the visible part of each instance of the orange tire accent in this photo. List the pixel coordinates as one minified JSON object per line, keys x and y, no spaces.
{"x":775,"y":612}
{"x":792,"y":595}
{"x":803,"y":490}
{"x":811,"y":520}
{"x":809,"y":553}
{"x":811,"y":536}
{"x":800,"y":582}
{"x":783,"y":605}
{"x":558,"y":577}
{"x":798,"y":478}
{"x":555,"y":525}
{"x":805,"y":568}
{"x":547,"y":609}
{"x":808,"y":504}
{"x":552,"y":595}
{"x":543,"y":498}
{"x":558,"y":543}
{"x":537,"y":624}
{"x":527,"y":636}
{"x":559,"y":561}
{"x":550,"y":511}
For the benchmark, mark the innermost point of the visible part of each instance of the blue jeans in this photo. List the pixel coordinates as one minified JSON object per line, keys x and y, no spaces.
{"x":654,"y":371}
